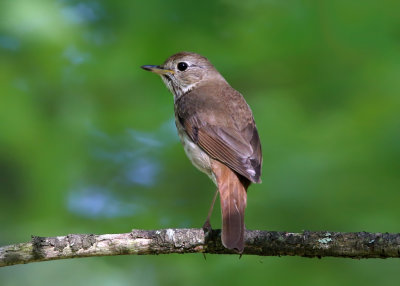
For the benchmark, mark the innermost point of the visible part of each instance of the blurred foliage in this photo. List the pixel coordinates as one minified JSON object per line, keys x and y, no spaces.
{"x":88,"y":143}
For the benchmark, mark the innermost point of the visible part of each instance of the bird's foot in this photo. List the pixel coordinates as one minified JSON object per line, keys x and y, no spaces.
{"x":207,"y":227}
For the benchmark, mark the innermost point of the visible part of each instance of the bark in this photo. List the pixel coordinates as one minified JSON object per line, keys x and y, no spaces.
{"x":166,"y":241}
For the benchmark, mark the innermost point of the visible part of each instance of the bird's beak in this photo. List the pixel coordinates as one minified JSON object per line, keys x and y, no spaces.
{"x":157,"y":69}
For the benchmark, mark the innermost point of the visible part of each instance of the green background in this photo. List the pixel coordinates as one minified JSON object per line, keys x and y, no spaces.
{"x":88,"y":143}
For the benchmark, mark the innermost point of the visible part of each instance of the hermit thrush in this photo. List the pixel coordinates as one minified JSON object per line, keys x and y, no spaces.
{"x":218,"y":133}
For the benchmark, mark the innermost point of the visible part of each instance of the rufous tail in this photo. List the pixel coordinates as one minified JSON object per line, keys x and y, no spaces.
{"x":233,"y":199}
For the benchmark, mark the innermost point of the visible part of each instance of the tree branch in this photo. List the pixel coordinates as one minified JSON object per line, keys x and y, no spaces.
{"x":166,"y":241}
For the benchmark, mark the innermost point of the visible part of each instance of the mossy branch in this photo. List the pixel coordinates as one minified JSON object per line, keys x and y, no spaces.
{"x":166,"y":241}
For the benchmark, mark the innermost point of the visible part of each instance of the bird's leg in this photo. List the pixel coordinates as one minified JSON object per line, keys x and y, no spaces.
{"x":207,"y":224}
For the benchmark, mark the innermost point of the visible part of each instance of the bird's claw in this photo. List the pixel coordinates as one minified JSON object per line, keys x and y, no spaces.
{"x":207,"y":227}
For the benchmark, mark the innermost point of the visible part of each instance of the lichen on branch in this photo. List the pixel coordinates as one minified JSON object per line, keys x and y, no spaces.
{"x":166,"y":241}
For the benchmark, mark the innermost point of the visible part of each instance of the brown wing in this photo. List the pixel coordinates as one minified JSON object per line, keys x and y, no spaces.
{"x":221,"y":123}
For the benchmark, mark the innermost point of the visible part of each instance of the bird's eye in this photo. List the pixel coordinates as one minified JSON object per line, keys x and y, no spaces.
{"x":182,"y":66}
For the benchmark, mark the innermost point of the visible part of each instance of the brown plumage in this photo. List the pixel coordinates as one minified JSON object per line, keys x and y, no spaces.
{"x":223,"y":126}
{"x":233,"y":199}
{"x":218,"y":133}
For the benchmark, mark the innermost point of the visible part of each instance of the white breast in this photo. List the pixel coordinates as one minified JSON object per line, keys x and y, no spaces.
{"x":196,"y":155}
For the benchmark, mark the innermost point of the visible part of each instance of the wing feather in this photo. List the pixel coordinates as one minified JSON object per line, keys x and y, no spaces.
{"x":223,"y":135}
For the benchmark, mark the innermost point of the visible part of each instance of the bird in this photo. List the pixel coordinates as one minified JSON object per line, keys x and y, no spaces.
{"x":218,"y":133}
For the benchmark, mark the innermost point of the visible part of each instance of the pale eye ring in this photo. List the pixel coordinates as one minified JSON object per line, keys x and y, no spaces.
{"x":182,"y":66}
